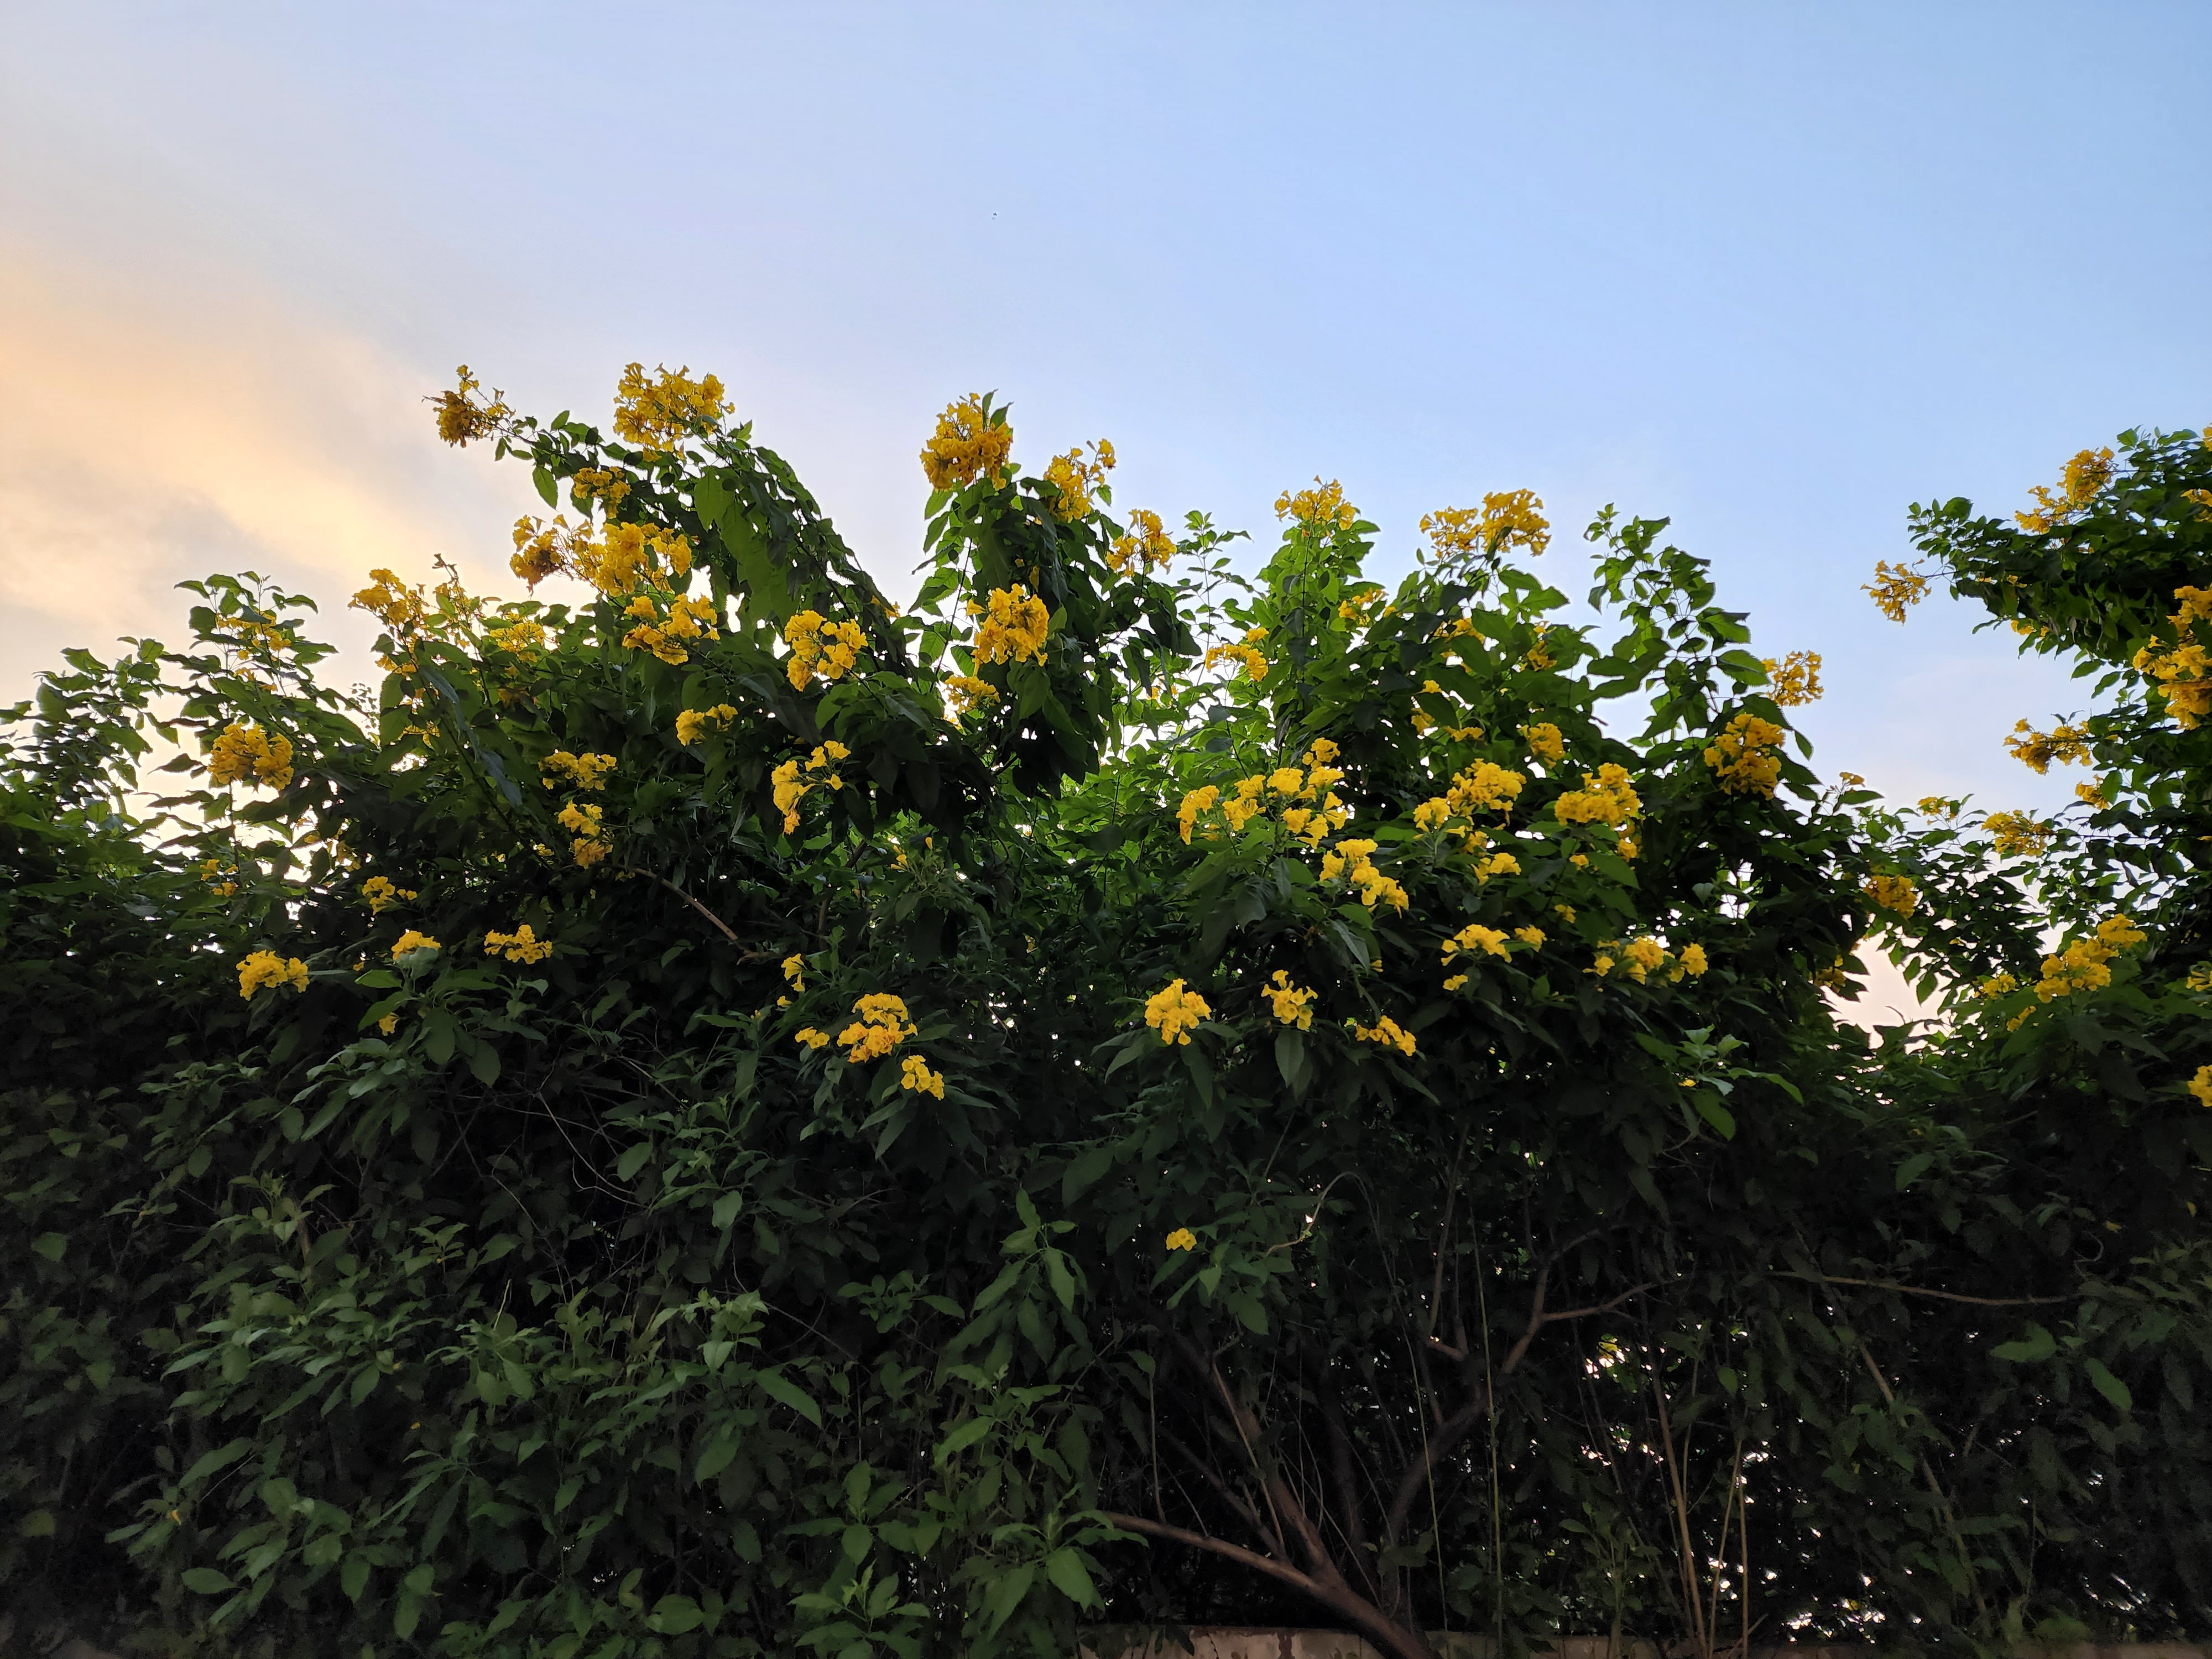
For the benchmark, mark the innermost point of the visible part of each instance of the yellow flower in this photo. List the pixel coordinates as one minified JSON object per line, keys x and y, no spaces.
{"x":1609,"y":798}
{"x":1147,"y":542}
{"x":266,"y":968}
{"x":410,"y":942}
{"x":522,"y":640}
{"x":1566,"y":913}
{"x":1198,"y":800}
{"x":1323,"y":508}
{"x":1892,"y":893}
{"x":1255,"y":661}
{"x":1292,"y":1004}
{"x":1172,"y":1012}
{"x":1530,"y":936}
{"x":1182,"y":1239}
{"x":812,"y":1038}
{"x":2078,"y":485}
{"x":914,"y":1074}
{"x":1642,"y":955}
{"x":2017,"y":835}
{"x":582,"y":771}
{"x":521,"y":945}
{"x":882,"y":1026}
{"x":1386,"y":1031}
{"x":1896,"y":589}
{"x":1076,"y":478}
{"x":594,"y":484}
{"x":821,"y":648}
{"x":1511,"y":518}
{"x":461,"y":418}
{"x":1794,"y":680}
{"x":965,"y":691}
{"x":1475,"y":936}
{"x":2067,"y":744}
{"x":246,"y":754}
{"x":972,"y":441}
{"x":378,"y":892}
{"x":794,"y":971}
{"x":1497,"y":863}
{"x":1691,"y":961}
{"x":1998,"y":985}
{"x":2084,"y":964}
{"x":388,"y":1025}
{"x":1545,"y":742}
{"x":655,"y":413}
{"x":1740,"y":758}
{"x":1013,"y":626}
{"x":2201,"y":1085}
{"x":693,"y":724}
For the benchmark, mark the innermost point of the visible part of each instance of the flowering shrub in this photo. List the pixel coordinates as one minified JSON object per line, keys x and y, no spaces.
{"x":608,"y":1290}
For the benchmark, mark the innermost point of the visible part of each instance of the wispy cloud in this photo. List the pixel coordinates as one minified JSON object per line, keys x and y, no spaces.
{"x":148,"y":436}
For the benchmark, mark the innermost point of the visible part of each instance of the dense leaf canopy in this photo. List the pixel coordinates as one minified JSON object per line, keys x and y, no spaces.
{"x":716,"y":1117}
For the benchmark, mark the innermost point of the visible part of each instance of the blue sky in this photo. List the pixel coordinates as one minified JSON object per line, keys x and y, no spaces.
{"x":1775,"y":271}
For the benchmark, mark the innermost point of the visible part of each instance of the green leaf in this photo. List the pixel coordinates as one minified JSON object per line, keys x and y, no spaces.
{"x":776,"y":1386}
{"x":1084,"y":1171}
{"x":674,"y":1615}
{"x":1065,"y":1567}
{"x":221,"y":1457}
{"x":2109,"y":1386}
{"x":2038,"y":1344}
{"x":51,"y":1245}
{"x":1913,"y":1169}
{"x":204,"y":1580}
{"x":547,"y":487}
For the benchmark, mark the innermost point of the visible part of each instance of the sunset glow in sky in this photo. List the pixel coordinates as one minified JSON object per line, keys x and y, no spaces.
{"x":1774,"y":271}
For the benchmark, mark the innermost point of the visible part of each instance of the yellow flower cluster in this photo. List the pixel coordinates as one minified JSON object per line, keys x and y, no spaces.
{"x":1545,"y":742}
{"x":521,"y":945}
{"x":591,"y":843}
{"x":965,"y":691}
{"x":1896,"y":589}
{"x":1323,"y":508}
{"x":654,"y":414}
{"x":2078,"y":485}
{"x":2018,"y":835}
{"x":1076,"y":478}
{"x":522,"y":640}
{"x":1473,"y":938}
{"x":1353,"y":861}
{"x":882,"y":1026}
{"x":1147,"y":542}
{"x":1997,"y":985}
{"x":1013,"y":626}
{"x":410,"y":942}
{"x":595,"y":483}
{"x":1742,"y":756}
{"x":1254,"y":659}
{"x":461,"y":418}
{"x":1183,"y":1239}
{"x":1608,"y":798}
{"x":1537,"y":655}
{"x":1355,"y":609}
{"x":631,"y":554}
{"x":2184,"y":672}
{"x":2067,"y":744}
{"x":2201,"y":1085}
{"x":791,"y":787}
{"x":794,"y":972}
{"x":914,"y":1074}
{"x":687,"y":619}
{"x":224,"y":881}
{"x":1512,"y":518}
{"x":820,"y":647}
{"x":972,"y":441}
{"x":1174,"y":1011}
{"x":2085,"y":965}
{"x":1386,"y":1031}
{"x":379,"y":893}
{"x":541,"y":549}
{"x":1642,"y":958}
{"x":266,"y":968}
{"x":582,"y":771}
{"x":1304,"y":800}
{"x":1794,"y":680}
{"x":693,"y":724}
{"x":1485,"y":787}
{"x":1894,"y":893}
{"x":1293,"y":1005}
{"x":246,"y":754}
